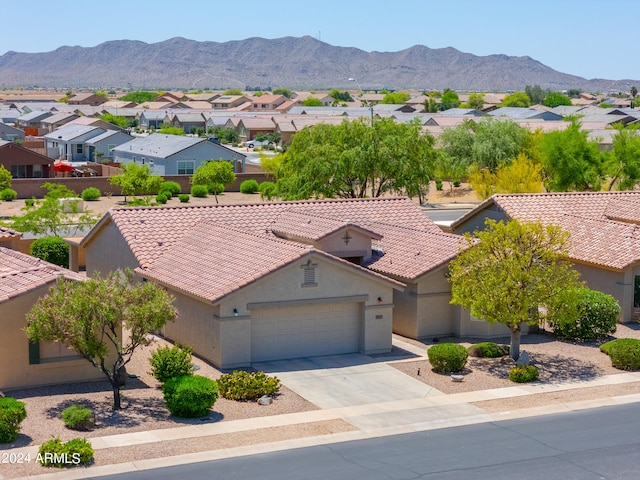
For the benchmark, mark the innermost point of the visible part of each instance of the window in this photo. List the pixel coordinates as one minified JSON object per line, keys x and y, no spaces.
{"x":185,"y":167}
{"x":636,"y":292}
{"x":79,"y":148}
{"x":309,"y":274}
{"x":110,"y":148}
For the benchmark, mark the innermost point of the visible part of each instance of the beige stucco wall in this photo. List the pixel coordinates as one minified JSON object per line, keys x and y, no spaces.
{"x":15,"y":371}
{"x":108,"y":251}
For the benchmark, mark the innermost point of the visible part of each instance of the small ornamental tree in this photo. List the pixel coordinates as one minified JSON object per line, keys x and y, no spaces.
{"x":137,"y":180}
{"x":89,"y":317}
{"x":213,"y":174}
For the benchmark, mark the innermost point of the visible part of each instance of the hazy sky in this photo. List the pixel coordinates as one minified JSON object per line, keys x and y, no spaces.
{"x":589,"y":38}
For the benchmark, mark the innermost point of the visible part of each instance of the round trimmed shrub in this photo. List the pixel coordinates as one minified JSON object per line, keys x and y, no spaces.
{"x":598,"y":318}
{"x":268,"y":190}
{"x":487,"y":350}
{"x":523,"y":374}
{"x":8,"y":195}
{"x":161,"y":199}
{"x":29,"y":202}
{"x":169,"y":186}
{"x":55,"y":453}
{"x":249,"y":186}
{"x":90,"y":194}
{"x":12,"y":413}
{"x":51,"y":249}
{"x":447,"y":357}
{"x":169,"y":362}
{"x":200,"y":191}
{"x":241,"y":385}
{"x":167,"y":194}
{"x":183,"y":197}
{"x":78,"y":417}
{"x":624,"y":353}
{"x":190,"y":396}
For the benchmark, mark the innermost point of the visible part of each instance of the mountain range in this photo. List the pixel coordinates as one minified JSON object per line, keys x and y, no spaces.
{"x":292,"y":62}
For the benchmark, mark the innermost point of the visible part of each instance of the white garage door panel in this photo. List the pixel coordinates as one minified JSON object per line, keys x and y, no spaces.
{"x":305,"y":331}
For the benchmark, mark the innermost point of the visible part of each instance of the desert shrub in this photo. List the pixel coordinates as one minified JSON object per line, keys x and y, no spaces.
{"x":447,"y":357}
{"x":523,"y":374}
{"x":90,"y":194}
{"x":183,"y":197}
{"x":190,"y":396}
{"x":624,"y":353}
{"x":241,"y":385}
{"x":438,"y":184}
{"x":268,"y":190}
{"x":169,"y":362}
{"x":173,"y":187}
{"x":12,"y":413}
{"x":51,"y":249}
{"x":249,"y":186}
{"x":167,"y":194}
{"x":55,"y":453}
{"x":161,"y":199}
{"x":29,"y":202}
{"x":199,"y":191}
{"x":598,"y":318}
{"x":487,"y":350}
{"x":78,"y":417}
{"x":8,"y":195}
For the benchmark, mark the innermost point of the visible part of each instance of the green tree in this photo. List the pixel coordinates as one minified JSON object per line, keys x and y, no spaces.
{"x":570,"y":160}
{"x":536,"y":94}
{"x":514,"y":273}
{"x":139,"y":97}
{"x":354,"y":160}
{"x":339,"y":96}
{"x":57,"y":214}
{"x":169,"y":130}
{"x":496,"y":142}
{"x":449,"y":100}
{"x":555,"y":99}
{"x":282,"y":91}
{"x":119,"y":121}
{"x":312,"y":102}
{"x":431,"y":104}
{"x":476,"y":100}
{"x":225,"y":135}
{"x":5,"y":178}
{"x":233,"y":91}
{"x":634,"y":93}
{"x":623,"y":164}
{"x":396,"y":98}
{"x":102,"y":94}
{"x":516,"y":99}
{"x":137,"y":180}
{"x":89,"y":316}
{"x":522,"y":175}
{"x":573,"y":93}
{"x":214,"y":174}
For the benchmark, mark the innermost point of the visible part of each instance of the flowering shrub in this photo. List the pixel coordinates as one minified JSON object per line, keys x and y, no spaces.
{"x":523,"y":374}
{"x":241,"y":385}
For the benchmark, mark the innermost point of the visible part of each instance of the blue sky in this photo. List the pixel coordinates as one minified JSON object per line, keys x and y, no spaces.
{"x":588,"y":38}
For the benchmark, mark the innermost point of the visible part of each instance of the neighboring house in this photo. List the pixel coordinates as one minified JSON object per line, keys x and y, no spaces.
{"x":9,"y":133}
{"x":270,"y":281}
{"x":31,"y":122}
{"x":267,"y":102}
{"x":9,"y":238}
{"x":225,"y":102}
{"x":604,"y":230}
{"x":24,"y":279}
{"x":57,"y":120}
{"x":23,"y":162}
{"x":174,"y":154}
{"x":101,"y":146}
{"x":68,"y":143}
{"x":521,"y":113}
{"x":86,"y":99}
{"x":248,"y":128}
{"x":201,"y":97}
{"x":9,"y":115}
{"x":186,"y":121}
{"x":151,"y":119}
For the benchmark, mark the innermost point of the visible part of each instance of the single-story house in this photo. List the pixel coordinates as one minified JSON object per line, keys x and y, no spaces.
{"x":23,"y":162}
{"x":151,"y":119}
{"x":249,"y":127}
{"x":24,"y":279}
{"x":604,"y":229}
{"x":9,"y":133}
{"x":521,"y":113}
{"x":186,"y":121}
{"x":68,"y":142}
{"x":31,"y":122}
{"x":174,"y":154}
{"x":101,"y":146}
{"x":87,"y":98}
{"x":268,"y":281}
{"x":57,"y":120}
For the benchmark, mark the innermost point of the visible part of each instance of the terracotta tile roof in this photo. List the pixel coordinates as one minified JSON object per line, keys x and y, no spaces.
{"x":624,"y":209}
{"x":234,"y":259}
{"x":8,"y":233}
{"x":20,"y":273}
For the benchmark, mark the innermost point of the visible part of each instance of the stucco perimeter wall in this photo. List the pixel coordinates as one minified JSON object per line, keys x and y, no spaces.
{"x":617,"y":284}
{"x":16,"y":372}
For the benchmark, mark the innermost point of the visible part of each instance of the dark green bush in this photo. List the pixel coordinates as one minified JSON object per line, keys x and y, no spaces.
{"x":173,"y":187}
{"x":55,"y":453}
{"x":241,"y":385}
{"x":12,"y":413}
{"x":167,"y":194}
{"x":199,"y":191}
{"x":268,"y":190}
{"x":29,"y":202}
{"x":51,"y":249}
{"x":487,"y":350}
{"x":183,"y":197}
{"x":190,"y":396}
{"x":624,"y":353}
{"x":447,"y":357}
{"x":249,"y":186}
{"x":8,"y":195}
{"x":523,"y":374}
{"x":161,"y":199}
{"x":169,"y":362}
{"x":78,"y":417}
{"x":438,"y":184}
{"x":90,"y":194}
{"x":598,"y":318}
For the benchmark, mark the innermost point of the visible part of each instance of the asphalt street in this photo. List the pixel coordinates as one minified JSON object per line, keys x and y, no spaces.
{"x":596,"y":444}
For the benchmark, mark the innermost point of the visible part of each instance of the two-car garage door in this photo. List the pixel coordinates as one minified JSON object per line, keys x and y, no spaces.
{"x":294,"y":332}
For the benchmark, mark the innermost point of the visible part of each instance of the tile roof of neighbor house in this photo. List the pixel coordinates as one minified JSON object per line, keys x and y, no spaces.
{"x":7,"y":232}
{"x":152,"y":231}
{"x":234,"y":259}
{"x":20,"y":273}
{"x":604,"y":227}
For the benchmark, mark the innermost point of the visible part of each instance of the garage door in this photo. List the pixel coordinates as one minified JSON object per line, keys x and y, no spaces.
{"x":295,"y":332}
